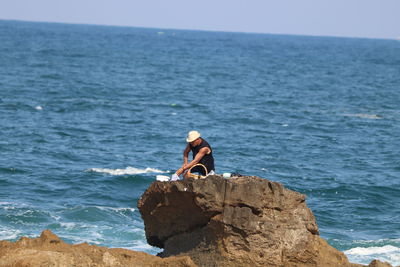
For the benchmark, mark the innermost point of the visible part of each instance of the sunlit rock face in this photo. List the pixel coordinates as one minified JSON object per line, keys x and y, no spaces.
{"x":240,"y":221}
{"x":49,"y":250}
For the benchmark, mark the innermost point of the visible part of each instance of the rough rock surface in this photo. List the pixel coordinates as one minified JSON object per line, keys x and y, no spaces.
{"x":241,"y":221}
{"x":376,"y":263}
{"x":49,"y":250}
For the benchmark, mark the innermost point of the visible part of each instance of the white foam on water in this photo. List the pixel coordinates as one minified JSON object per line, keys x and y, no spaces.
{"x":55,"y":217}
{"x":364,"y":116}
{"x":115,"y":209}
{"x":12,"y":205}
{"x":39,"y":108}
{"x":79,"y":239}
{"x":375,"y":243}
{"x":92,"y":234}
{"x":365,"y":255}
{"x":7,"y":233}
{"x":68,"y":225}
{"x":127,"y":170}
{"x":141,"y":246}
{"x":7,"y":205}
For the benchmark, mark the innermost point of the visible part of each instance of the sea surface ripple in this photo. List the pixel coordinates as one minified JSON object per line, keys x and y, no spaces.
{"x":91,"y":114}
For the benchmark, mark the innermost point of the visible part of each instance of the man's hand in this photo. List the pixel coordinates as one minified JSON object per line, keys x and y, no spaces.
{"x":196,"y":160}
{"x":181,"y":169}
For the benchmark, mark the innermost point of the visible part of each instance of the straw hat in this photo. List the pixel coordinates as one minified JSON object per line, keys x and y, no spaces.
{"x":192,"y":135}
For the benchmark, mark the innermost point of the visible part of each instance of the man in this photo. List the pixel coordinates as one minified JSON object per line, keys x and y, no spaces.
{"x":202,"y":153}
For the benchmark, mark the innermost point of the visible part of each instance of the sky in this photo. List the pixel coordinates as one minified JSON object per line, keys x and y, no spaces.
{"x":347,"y":18}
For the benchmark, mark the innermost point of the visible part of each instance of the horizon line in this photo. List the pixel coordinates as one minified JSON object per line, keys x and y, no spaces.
{"x":200,"y":30}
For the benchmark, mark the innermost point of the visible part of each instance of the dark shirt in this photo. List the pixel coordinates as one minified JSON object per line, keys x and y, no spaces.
{"x":208,"y":159}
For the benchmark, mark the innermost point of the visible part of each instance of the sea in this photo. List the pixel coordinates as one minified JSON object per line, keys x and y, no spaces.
{"x":90,"y":115}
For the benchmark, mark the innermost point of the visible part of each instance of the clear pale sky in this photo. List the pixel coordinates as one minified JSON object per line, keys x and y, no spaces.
{"x":352,"y":18}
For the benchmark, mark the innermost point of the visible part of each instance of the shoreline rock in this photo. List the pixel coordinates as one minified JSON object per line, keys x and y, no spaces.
{"x":245,"y":221}
{"x":242,"y":221}
{"x":50,"y":250}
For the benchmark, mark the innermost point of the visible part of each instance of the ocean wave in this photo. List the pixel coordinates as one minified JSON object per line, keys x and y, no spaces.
{"x":13,"y":206}
{"x":364,"y":116}
{"x":378,"y":242}
{"x":140,"y":245}
{"x":113,"y":209}
{"x":127,"y":170}
{"x":364,"y":255}
{"x":92,"y":237}
{"x":116,"y":209}
{"x":91,"y":214}
{"x":125,"y":237}
{"x":9,"y":234}
{"x":69,"y":225}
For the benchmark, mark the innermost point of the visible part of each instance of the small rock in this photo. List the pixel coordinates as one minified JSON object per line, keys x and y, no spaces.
{"x":377,"y":263}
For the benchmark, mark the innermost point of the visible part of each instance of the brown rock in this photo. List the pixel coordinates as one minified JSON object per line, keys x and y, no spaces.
{"x":49,"y":250}
{"x":376,"y":263}
{"x":245,"y":221}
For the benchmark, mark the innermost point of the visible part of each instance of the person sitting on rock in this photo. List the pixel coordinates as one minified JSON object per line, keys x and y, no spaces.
{"x":202,"y":154}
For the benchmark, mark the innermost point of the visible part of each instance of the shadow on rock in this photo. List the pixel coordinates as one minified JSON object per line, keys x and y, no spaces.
{"x":241,"y":221}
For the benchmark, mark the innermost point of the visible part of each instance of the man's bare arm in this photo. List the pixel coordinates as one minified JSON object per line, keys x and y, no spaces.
{"x":186,"y":154}
{"x":199,"y":156}
{"x":185,"y":160}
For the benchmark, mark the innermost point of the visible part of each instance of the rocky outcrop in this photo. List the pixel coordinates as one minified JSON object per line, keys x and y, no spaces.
{"x":246,"y":221}
{"x":49,"y":250}
{"x":242,"y":221}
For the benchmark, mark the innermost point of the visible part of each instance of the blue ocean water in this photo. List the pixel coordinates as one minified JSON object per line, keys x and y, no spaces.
{"x":91,"y":114}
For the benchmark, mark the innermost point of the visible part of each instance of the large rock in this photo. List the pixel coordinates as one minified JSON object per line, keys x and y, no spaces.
{"x":243,"y":221}
{"x":49,"y":250}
